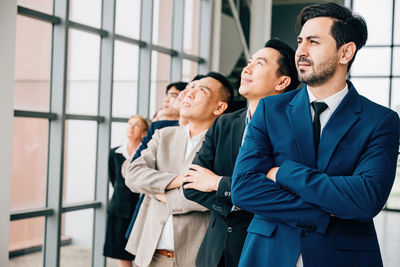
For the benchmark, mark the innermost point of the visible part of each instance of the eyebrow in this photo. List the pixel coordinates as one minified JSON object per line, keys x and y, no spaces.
{"x":309,"y":37}
{"x":263,"y":59}
{"x":205,"y":87}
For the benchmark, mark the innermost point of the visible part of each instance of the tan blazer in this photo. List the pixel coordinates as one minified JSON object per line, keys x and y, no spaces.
{"x":158,"y":165}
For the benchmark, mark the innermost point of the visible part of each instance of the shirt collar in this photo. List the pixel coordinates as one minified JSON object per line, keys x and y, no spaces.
{"x":195,"y":138}
{"x":332,"y":101}
{"x":248,"y":118}
{"x":123,"y":149}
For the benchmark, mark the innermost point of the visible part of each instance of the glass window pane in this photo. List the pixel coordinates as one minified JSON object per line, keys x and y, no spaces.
{"x":29,"y":163}
{"x":83,"y":73}
{"x":160,"y":72}
{"x":394,"y":199}
{"x":87,"y":12}
{"x":395,"y":99}
{"x":376,"y":90}
{"x":32,"y":64}
{"x":25,"y":235}
{"x":162,"y":22}
{"x":191,"y":27}
{"x":127,"y":18}
{"x":379,"y":25}
{"x":397,"y":23}
{"x":45,"y":6}
{"x":189,"y":70}
{"x":118,"y":133}
{"x":396,"y":61}
{"x":77,"y":229}
{"x":372,"y":61}
{"x":126,"y":58}
{"x":80,"y":160}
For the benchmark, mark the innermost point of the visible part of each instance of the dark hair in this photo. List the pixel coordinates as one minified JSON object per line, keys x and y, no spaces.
{"x":178,"y":85}
{"x":227,"y":92}
{"x":198,"y":77}
{"x":286,"y":62}
{"x":346,"y":27}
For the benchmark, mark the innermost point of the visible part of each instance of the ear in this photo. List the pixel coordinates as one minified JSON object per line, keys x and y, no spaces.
{"x":347,"y":52}
{"x":283,"y":82}
{"x":221,"y":107}
{"x":143,"y":135}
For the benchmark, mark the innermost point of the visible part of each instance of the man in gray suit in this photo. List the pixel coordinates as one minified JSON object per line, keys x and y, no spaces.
{"x":169,"y":228}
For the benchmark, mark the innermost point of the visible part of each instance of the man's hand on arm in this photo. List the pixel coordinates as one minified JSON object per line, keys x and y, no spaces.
{"x":201,"y":179}
{"x":176,"y":183}
{"x":272,"y":174}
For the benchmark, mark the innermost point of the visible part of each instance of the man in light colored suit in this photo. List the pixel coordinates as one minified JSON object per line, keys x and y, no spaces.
{"x":169,"y":228}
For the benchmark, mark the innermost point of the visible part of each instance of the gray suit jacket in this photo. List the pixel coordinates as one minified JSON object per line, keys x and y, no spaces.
{"x":158,"y":165}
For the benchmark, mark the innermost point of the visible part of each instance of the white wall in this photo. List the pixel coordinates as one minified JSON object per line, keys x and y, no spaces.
{"x":8,"y":11}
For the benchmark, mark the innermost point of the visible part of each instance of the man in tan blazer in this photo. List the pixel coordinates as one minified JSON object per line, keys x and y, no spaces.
{"x":169,"y":228}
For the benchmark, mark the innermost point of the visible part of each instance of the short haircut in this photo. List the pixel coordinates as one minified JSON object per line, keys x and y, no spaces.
{"x":198,"y":77}
{"x":178,"y":85}
{"x":346,"y":27}
{"x":286,"y":62}
{"x":143,"y":120}
{"x":226,"y":93}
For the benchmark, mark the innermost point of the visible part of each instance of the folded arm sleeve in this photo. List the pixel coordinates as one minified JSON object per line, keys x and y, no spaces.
{"x":178,"y":204}
{"x":141,"y":176}
{"x":253,"y":192}
{"x":360,"y":196}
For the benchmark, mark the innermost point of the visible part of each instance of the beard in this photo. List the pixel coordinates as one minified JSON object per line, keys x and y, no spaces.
{"x":320,"y":73}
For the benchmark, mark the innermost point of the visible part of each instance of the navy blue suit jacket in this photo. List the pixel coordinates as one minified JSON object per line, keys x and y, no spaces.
{"x":351,"y":179}
{"x":153,"y":127}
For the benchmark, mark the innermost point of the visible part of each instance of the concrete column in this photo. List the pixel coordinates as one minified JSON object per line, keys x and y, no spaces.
{"x":8,"y":16}
{"x":260,"y":23}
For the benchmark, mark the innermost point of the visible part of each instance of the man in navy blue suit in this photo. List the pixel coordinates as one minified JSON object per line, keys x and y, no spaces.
{"x":317,"y":163}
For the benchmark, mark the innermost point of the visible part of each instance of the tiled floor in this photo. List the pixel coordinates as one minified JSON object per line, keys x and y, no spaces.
{"x":387,"y":226}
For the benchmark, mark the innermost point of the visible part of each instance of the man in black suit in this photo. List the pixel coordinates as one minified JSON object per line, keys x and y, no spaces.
{"x":271,"y":70}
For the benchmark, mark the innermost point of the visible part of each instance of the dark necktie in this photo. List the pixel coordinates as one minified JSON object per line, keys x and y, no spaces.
{"x":318,"y":107}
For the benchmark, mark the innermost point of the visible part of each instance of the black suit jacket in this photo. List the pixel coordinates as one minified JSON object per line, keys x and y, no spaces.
{"x":227,"y":230}
{"x":123,"y":201}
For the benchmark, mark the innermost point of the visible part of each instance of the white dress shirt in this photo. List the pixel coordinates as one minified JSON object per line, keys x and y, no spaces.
{"x":167,"y":235}
{"x":333,"y":102}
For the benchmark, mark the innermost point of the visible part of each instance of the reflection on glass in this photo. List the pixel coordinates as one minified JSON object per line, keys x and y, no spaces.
{"x":77,"y":228}
{"x":29,"y":163}
{"x":191,"y":27}
{"x":189,"y":70}
{"x":125,"y":79}
{"x":160,"y":72}
{"x":118,"y":133}
{"x":376,"y":90}
{"x":372,"y":61}
{"x":83,"y":73}
{"x":397,"y":23}
{"x":27,"y":234}
{"x":127,"y":18}
{"x":396,"y":61}
{"x":162,"y":22}
{"x":45,"y":6}
{"x":86,"y":12}
{"x":80,"y":160}
{"x":32,"y":64}
{"x":379,"y":25}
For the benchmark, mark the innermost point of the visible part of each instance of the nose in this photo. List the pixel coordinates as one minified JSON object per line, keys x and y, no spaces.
{"x":302,"y":50}
{"x":191,"y":93}
{"x":248,"y":69}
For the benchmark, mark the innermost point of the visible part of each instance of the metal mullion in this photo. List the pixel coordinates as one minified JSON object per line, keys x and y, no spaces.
{"x":177,"y":39}
{"x":81,"y":206}
{"x":99,"y":119}
{"x":116,"y":119}
{"x":129,"y":40}
{"x":164,"y":50}
{"x":103,"y":132}
{"x":38,"y":15}
{"x":146,"y":27}
{"x":375,"y":76}
{"x":52,"y":238}
{"x":193,"y":58}
{"x":87,"y":28}
{"x":205,"y":36}
{"x":30,"y":213}
{"x":35,"y":114}
{"x":391,"y":56}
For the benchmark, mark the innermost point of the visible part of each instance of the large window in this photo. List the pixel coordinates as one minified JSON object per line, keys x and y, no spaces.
{"x":376,"y":70}
{"x":77,"y":81}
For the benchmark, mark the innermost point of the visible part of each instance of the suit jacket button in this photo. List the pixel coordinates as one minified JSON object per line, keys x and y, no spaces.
{"x":229,"y":229}
{"x":226,"y":193}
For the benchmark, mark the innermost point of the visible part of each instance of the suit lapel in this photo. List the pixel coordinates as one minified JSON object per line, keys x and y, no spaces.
{"x":237,"y":130}
{"x":300,"y":121}
{"x":338,"y":125}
